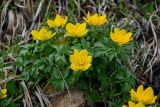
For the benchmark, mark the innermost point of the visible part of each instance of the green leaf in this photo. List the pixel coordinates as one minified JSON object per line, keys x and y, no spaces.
{"x":13,"y":105}
{"x":126,"y":86}
{"x":120,"y":75}
{"x":99,"y":44}
{"x":95,"y":96}
{"x":112,"y":93}
{"x":66,"y":72}
{"x":56,"y":74}
{"x":58,"y":84}
{"x":11,"y":87}
{"x":115,"y":103}
{"x":57,"y":57}
{"x":149,"y":9}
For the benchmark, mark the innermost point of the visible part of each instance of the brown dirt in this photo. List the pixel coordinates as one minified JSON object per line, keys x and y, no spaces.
{"x":64,"y":100}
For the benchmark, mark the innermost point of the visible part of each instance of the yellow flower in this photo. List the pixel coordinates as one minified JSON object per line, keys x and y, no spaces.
{"x":77,"y":30}
{"x":132,"y":104}
{"x":95,"y":20}
{"x":58,"y":21}
{"x":3,"y":93}
{"x":144,"y":96}
{"x":42,"y":35}
{"x":120,"y":36}
{"x":80,"y":60}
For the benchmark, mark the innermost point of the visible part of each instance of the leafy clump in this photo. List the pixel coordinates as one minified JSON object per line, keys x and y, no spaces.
{"x":60,"y":58}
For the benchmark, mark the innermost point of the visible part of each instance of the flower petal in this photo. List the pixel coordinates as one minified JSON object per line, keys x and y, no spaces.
{"x":133,"y":95}
{"x":131,"y":104}
{"x":140,"y":89}
{"x":65,"y":20}
{"x":50,"y":23}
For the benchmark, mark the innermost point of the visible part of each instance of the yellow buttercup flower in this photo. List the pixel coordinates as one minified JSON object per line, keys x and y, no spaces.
{"x":3,"y":93}
{"x":95,"y":20}
{"x":80,"y":60}
{"x":57,"y":22}
{"x":77,"y":30}
{"x":120,"y":36}
{"x":132,"y":104}
{"x":144,"y":96}
{"x":42,"y":35}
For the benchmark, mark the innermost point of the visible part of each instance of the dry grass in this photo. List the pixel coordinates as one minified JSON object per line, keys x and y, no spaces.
{"x":18,"y":18}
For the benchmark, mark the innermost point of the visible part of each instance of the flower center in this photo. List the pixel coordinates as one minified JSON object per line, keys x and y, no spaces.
{"x":81,"y":62}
